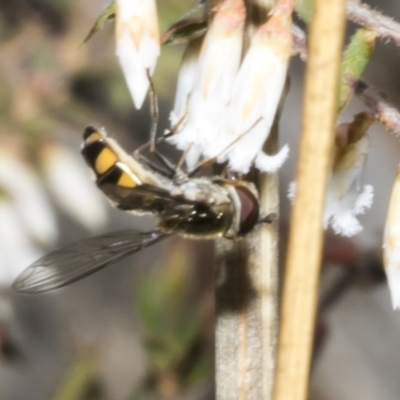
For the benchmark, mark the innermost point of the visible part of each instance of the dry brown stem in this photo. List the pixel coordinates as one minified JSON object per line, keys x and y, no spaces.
{"x":305,"y":241}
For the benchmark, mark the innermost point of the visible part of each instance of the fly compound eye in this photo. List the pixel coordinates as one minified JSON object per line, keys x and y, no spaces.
{"x":249,"y":211}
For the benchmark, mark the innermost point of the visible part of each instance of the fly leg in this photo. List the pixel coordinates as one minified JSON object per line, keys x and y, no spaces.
{"x":213,"y":160}
{"x":171,"y":170}
{"x":179,"y":124}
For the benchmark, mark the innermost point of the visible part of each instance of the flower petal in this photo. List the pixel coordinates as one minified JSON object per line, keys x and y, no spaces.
{"x":258,"y":89}
{"x":23,"y":187}
{"x":16,"y":250}
{"x":216,"y":69}
{"x":391,"y":244}
{"x":137,"y":44}
{"x":341,"y":212}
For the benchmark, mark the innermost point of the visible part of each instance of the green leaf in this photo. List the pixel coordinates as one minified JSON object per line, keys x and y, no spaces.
{"x":191,"y":26}
{"x":107,"y":15}
{"x":304,"y":9}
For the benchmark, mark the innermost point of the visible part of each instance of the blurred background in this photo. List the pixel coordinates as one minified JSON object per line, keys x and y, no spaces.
{"x":143,"y":329}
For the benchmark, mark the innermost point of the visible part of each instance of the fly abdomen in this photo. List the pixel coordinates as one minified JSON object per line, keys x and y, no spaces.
{"x":104,"y":161}
{"x":97,"y":152}
{"x":122,"y":179}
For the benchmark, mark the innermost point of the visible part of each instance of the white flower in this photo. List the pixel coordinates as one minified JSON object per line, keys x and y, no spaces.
{"x":66,"y":176}
{"x":137,"y":44}
{"x":186,"y":80}
{"x":346,"y":198}
{"x":256,"y":95}
{"x":216,"y":69}
{"x":340,"y":213}
{"x":391,"y":244}
{"x":22,"y":186}
{"x":16,"y":249}
{"x":178,"y":117}
{"x":232,"y":106}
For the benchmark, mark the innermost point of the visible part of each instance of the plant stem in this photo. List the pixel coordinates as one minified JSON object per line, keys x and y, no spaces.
{"x":246,"y":307}
{"x":247,"y":302}
{"x":306,"y":235}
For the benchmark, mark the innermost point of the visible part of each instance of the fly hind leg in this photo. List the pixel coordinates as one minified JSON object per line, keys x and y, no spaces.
{"x":154,"y":113}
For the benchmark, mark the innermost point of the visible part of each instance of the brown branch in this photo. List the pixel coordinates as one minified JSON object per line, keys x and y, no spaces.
{"x":364,"y":15}
{"x":383,"y":111}
{"x":361,"y":14}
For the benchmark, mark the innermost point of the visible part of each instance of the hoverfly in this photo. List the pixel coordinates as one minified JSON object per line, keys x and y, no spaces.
{"x":195,"y":207}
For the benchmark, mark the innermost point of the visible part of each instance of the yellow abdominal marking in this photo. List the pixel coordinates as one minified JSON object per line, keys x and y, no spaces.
{"x":126,"y":180}
{"x":105,"y":160}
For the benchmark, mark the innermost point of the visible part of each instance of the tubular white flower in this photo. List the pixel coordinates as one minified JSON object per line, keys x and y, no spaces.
{"x":66,"y":176}
{"x":16,"y":250}
{"x":217,"y":67}
{"x":24,"y":189}
{"x":137,"y":44}
{"x":391,"y":244}
{"x":186,"y":80}
{"x":256,"y":94}
{"x":345,"y":197}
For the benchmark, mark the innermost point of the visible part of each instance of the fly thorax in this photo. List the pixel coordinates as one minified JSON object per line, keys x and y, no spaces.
{"x":206,"y":210}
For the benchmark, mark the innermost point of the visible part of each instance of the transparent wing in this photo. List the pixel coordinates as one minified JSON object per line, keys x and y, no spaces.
{"x":78,"y":260}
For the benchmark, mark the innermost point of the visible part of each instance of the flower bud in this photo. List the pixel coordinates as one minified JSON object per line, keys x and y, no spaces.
{"x":137,"y":44}
{"x":346,"y":198}
{"x":257,"y":92}
{"x":23,"y":187}
{"x":66,"y":176}
{"x":216,"y":70}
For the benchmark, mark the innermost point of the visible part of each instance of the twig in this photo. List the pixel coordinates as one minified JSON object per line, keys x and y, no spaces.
{"x":364,"y":15}
{"x":299,"y":42}
{"x":305,"y":240}
{"x":383,"y":111}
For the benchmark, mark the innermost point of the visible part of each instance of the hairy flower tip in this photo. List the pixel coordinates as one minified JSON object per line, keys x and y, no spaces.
{"x":341,"y":214}
{"x":345,"y":197}
{"x":391,"y":244}
{"x":137,"y":43}
{"x":248,"y":151}
{"x":211,"y":80}
{"x":66,"y":176}
{"x":256,"y":95}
